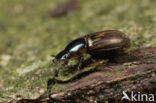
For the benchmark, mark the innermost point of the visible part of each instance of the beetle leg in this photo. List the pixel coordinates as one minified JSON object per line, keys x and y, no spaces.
{"x":50,"y":83}
{"x":80,"y":62}
{"x":49,"y":86}
{"x":65,"y":63}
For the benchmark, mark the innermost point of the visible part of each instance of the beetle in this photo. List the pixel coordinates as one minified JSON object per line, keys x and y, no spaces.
{"x":98,"y":45}
{"x":104,"y":44}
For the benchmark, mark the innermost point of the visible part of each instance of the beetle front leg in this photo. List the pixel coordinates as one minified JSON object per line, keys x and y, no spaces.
{"x":80,"y":62}
{"x":50,"y":83}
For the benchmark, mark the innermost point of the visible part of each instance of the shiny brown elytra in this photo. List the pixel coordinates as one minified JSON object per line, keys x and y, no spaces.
{"x":98,"y":45}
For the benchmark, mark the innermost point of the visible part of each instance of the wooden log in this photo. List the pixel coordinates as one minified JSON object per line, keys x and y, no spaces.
{"x":135,"y":72}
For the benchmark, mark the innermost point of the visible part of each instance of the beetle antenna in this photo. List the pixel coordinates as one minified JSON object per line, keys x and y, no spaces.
{"x":52,"y":55}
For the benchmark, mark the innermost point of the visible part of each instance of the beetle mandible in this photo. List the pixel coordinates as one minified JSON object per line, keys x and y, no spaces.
{"x":96,"y":44}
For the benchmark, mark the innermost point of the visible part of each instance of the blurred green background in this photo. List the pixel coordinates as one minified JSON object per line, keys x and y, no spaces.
{"x":29,"y":35}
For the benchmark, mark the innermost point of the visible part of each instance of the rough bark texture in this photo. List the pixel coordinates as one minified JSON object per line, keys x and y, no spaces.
{"x":135,"y":72}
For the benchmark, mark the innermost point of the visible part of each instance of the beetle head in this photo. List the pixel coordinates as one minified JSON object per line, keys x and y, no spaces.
{"x":63,"y":55}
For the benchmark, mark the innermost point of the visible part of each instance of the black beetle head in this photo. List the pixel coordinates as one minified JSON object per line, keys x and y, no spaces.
{"x":63,"y":55}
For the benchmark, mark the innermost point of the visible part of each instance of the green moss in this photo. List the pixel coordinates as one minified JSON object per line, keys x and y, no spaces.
{"x":29,"y":35}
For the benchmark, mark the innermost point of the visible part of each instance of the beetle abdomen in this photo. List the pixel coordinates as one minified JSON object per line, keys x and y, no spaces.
{"x":108,"y":40}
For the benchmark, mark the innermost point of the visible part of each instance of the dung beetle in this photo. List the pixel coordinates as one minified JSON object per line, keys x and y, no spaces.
{"x":97,"y":44}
